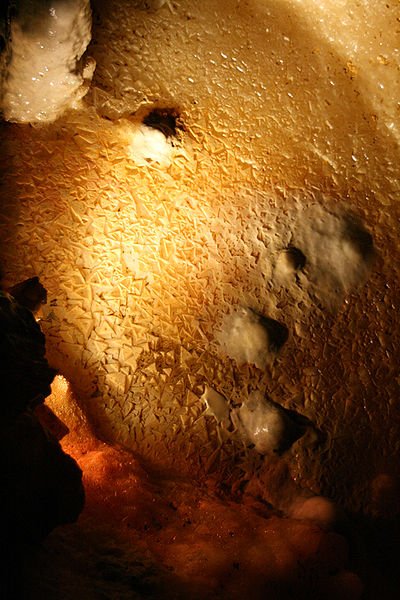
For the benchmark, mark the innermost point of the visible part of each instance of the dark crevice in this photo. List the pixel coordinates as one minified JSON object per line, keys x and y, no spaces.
{"x":296,"y":258}
{"x":277,"y":333}
{"x":166,"y":120}
{"x":296,"y":425}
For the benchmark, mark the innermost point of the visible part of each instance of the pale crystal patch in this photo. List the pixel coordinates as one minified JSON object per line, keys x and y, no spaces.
{"x":263,"y":423}
{"x":217,"y":404}
{"x":44,"y":76}
{"x":244,"y":338}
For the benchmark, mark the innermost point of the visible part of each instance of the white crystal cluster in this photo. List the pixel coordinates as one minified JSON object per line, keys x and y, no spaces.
{"x":46,"y":74}
{"x":244,"y":338}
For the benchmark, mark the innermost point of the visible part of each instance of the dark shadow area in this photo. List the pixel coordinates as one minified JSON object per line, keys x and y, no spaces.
{"x":278,"y":333}
{"x":359,"y":237}
{"x":166,"y":120}
{"x":295,"y":258}
{"x":296,"y":425}
{"x":374,"y":552}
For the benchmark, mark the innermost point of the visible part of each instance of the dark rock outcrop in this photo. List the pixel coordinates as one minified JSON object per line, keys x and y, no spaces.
{"x":25,"y":374}
{"x":41,"y":485}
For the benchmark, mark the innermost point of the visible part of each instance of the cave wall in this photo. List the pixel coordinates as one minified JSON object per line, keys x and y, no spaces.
{"x":287,"y":138}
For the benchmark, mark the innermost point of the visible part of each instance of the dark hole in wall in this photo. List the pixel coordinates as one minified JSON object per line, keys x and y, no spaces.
{"x":296,"y":258}
{"x":166,"y":120}
{"x":296,"y":425}
{"x":277,"y":333}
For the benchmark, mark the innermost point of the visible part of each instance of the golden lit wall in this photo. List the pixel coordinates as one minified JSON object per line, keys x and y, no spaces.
{"x":289,"y":129}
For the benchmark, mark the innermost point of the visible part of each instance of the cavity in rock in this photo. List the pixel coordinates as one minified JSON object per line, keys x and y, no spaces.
{"x":166,"y":120}
{"x":295,"y":258}
{"x":277,"y":333}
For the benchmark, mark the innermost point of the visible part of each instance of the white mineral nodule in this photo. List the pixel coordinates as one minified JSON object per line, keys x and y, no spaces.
{"x":251,"y":338}
{"x":46,"y":73}
{"x":150,"y":145}
{"x":263,"y":424}
{"x":338,"y":250}
{"x":269,"y":426}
